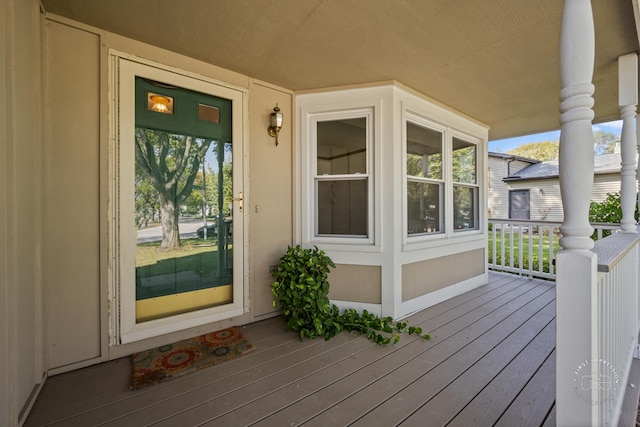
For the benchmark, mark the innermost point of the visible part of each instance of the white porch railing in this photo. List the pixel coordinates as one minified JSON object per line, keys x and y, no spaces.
{"x":598,"y":307}
{"x":523,"y":247}
{"x":527,"y":247}
{"x":616,"y":314}
{"x":596,"y":286}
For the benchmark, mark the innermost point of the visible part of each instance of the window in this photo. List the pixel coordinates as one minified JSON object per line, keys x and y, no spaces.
{"x":465,"y":185}
{"x":342,"y":182}
{"x":441,"y":171}
{"x":424,"y":180}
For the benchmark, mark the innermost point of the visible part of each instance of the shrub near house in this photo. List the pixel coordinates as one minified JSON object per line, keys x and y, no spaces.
{"x":301,"y":288}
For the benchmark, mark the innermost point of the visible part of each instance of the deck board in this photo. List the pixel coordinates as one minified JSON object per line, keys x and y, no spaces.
{"x":490,"y":360}
{"x":428,"y":375}
{"x":214,"y":384}
{"x":505,"y":368}
{"x":536,"y":398}
{"x":404,"y":352}
{"x":487,"y":406}
{"x":280,"y":377}
{"x":442,"y":352}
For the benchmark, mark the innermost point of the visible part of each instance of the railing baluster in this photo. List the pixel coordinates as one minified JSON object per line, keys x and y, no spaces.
{"x":552,"y":255}
{"x":511,"y":246}
{"x":503,"y":244}
{"x":504,"y":252}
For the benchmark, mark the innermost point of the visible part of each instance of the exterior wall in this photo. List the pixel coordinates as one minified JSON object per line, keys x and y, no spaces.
{"x":545,"y":195}
{"x":420,"y":278}
{"x":604,"y":184}
{"x":77,"y":172}
{"x":498,"y":190}
{"x":356,"y":283}
{"x":545,"y":202}
{"x":389,"y":249}
{"x":434,"y":250}
{"x":516,"y":166}
{"x":71,"y":195}
{"x":21,"y":215}
{"x":271,"y":187}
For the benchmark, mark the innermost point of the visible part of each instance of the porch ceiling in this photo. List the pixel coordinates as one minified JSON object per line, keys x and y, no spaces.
{"x":496,"y":61}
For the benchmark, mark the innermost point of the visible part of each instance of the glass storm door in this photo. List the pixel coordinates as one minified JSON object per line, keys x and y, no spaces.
{"x":179,"y":145}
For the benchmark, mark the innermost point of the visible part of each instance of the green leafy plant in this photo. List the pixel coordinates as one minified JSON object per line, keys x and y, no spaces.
{"x":302,"y":288}
{"x":608,"y":211}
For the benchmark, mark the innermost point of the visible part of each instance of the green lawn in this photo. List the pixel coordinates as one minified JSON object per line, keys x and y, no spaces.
{"x":524,"y":249}
{"x":208,"y":266}
{"x":149,"y":254}
{"x":194,"y":255}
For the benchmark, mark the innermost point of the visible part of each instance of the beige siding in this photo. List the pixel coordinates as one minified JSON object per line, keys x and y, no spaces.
{"x":21,"y":211}
{"x":498,"y":192}
{"x":77,"y":187}
{"x":603,"y":184}
{"x":270,"y":203}
{"x":516,"y":166}
{"x":359,"y":283}
{"x":544,"y":198}
{"x":72,"y":189}
{"x":421,"y":278}
{"x":545,"y":194}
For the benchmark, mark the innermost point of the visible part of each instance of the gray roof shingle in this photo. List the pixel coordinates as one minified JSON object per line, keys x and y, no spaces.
{"x":606,"y":163}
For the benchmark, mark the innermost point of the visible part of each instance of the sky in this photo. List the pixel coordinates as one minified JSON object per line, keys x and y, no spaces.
{"x":505,"y":145}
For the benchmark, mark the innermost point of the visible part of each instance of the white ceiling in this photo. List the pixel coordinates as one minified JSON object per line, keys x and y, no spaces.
{"x":494,"y":60}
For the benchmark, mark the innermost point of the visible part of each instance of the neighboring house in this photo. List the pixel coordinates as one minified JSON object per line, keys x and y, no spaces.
{"x":381,"y":158}
{"x":533,"y":192}
{"x":501,"y":166}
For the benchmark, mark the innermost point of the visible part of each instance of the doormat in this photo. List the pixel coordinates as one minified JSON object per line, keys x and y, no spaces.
{"x":170,"y":361}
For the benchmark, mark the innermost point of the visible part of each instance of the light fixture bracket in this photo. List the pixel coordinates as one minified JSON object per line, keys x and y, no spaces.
{"x":275,"y":120}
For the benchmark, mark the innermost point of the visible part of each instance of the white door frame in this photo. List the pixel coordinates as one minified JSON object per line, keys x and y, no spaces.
{"x":122,"y":246}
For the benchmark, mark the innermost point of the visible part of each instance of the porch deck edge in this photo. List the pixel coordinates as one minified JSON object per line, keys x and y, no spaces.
{"x":629,"y":411}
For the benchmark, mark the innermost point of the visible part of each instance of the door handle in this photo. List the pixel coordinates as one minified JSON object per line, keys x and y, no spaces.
{"x":239,"y":200}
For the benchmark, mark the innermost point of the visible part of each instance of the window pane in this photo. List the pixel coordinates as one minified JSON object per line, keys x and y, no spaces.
{"x":342,"y":208}
{"x":423,"y":208}
{"x":465,"y":213}
{"x":424,"y":152}
{"x":342,"y":147}
{"x":464,"y":161}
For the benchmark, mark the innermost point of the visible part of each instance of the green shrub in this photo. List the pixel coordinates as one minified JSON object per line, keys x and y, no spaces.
{"x":301,"y":288}
{"x":608,"y":211}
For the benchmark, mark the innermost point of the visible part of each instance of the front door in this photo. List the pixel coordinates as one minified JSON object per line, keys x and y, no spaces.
{"x":181,"y":177}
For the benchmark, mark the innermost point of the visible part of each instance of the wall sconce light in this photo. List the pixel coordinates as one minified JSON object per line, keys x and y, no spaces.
{"x":542,"y":191}
{"x":275,"y":123}
{"x":160,"y":103}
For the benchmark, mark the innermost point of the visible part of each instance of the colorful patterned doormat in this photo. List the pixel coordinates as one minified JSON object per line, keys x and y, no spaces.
{"x":169,"y":361}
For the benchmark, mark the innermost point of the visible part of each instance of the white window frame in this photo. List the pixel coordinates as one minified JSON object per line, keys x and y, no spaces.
{"x":476,"y":186}
{"x":123,"y":328}
{"x":313,"y":118}
{"x":418,"y":120}
{"x":448,"y":184}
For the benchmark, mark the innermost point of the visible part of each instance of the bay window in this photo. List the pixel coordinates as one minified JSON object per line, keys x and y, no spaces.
{"x":424,"y":180}
{"x":442,"y":192}
{"x":465,"y":185}
{"x":342,"y":176}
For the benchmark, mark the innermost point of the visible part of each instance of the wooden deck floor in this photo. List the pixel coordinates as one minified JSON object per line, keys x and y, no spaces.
{"x":490,"y":362}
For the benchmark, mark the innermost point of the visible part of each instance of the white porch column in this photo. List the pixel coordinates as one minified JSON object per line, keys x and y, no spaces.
{"x":638,"y":169}
{"x":627,"y":99}
{"x":576,"y":264}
